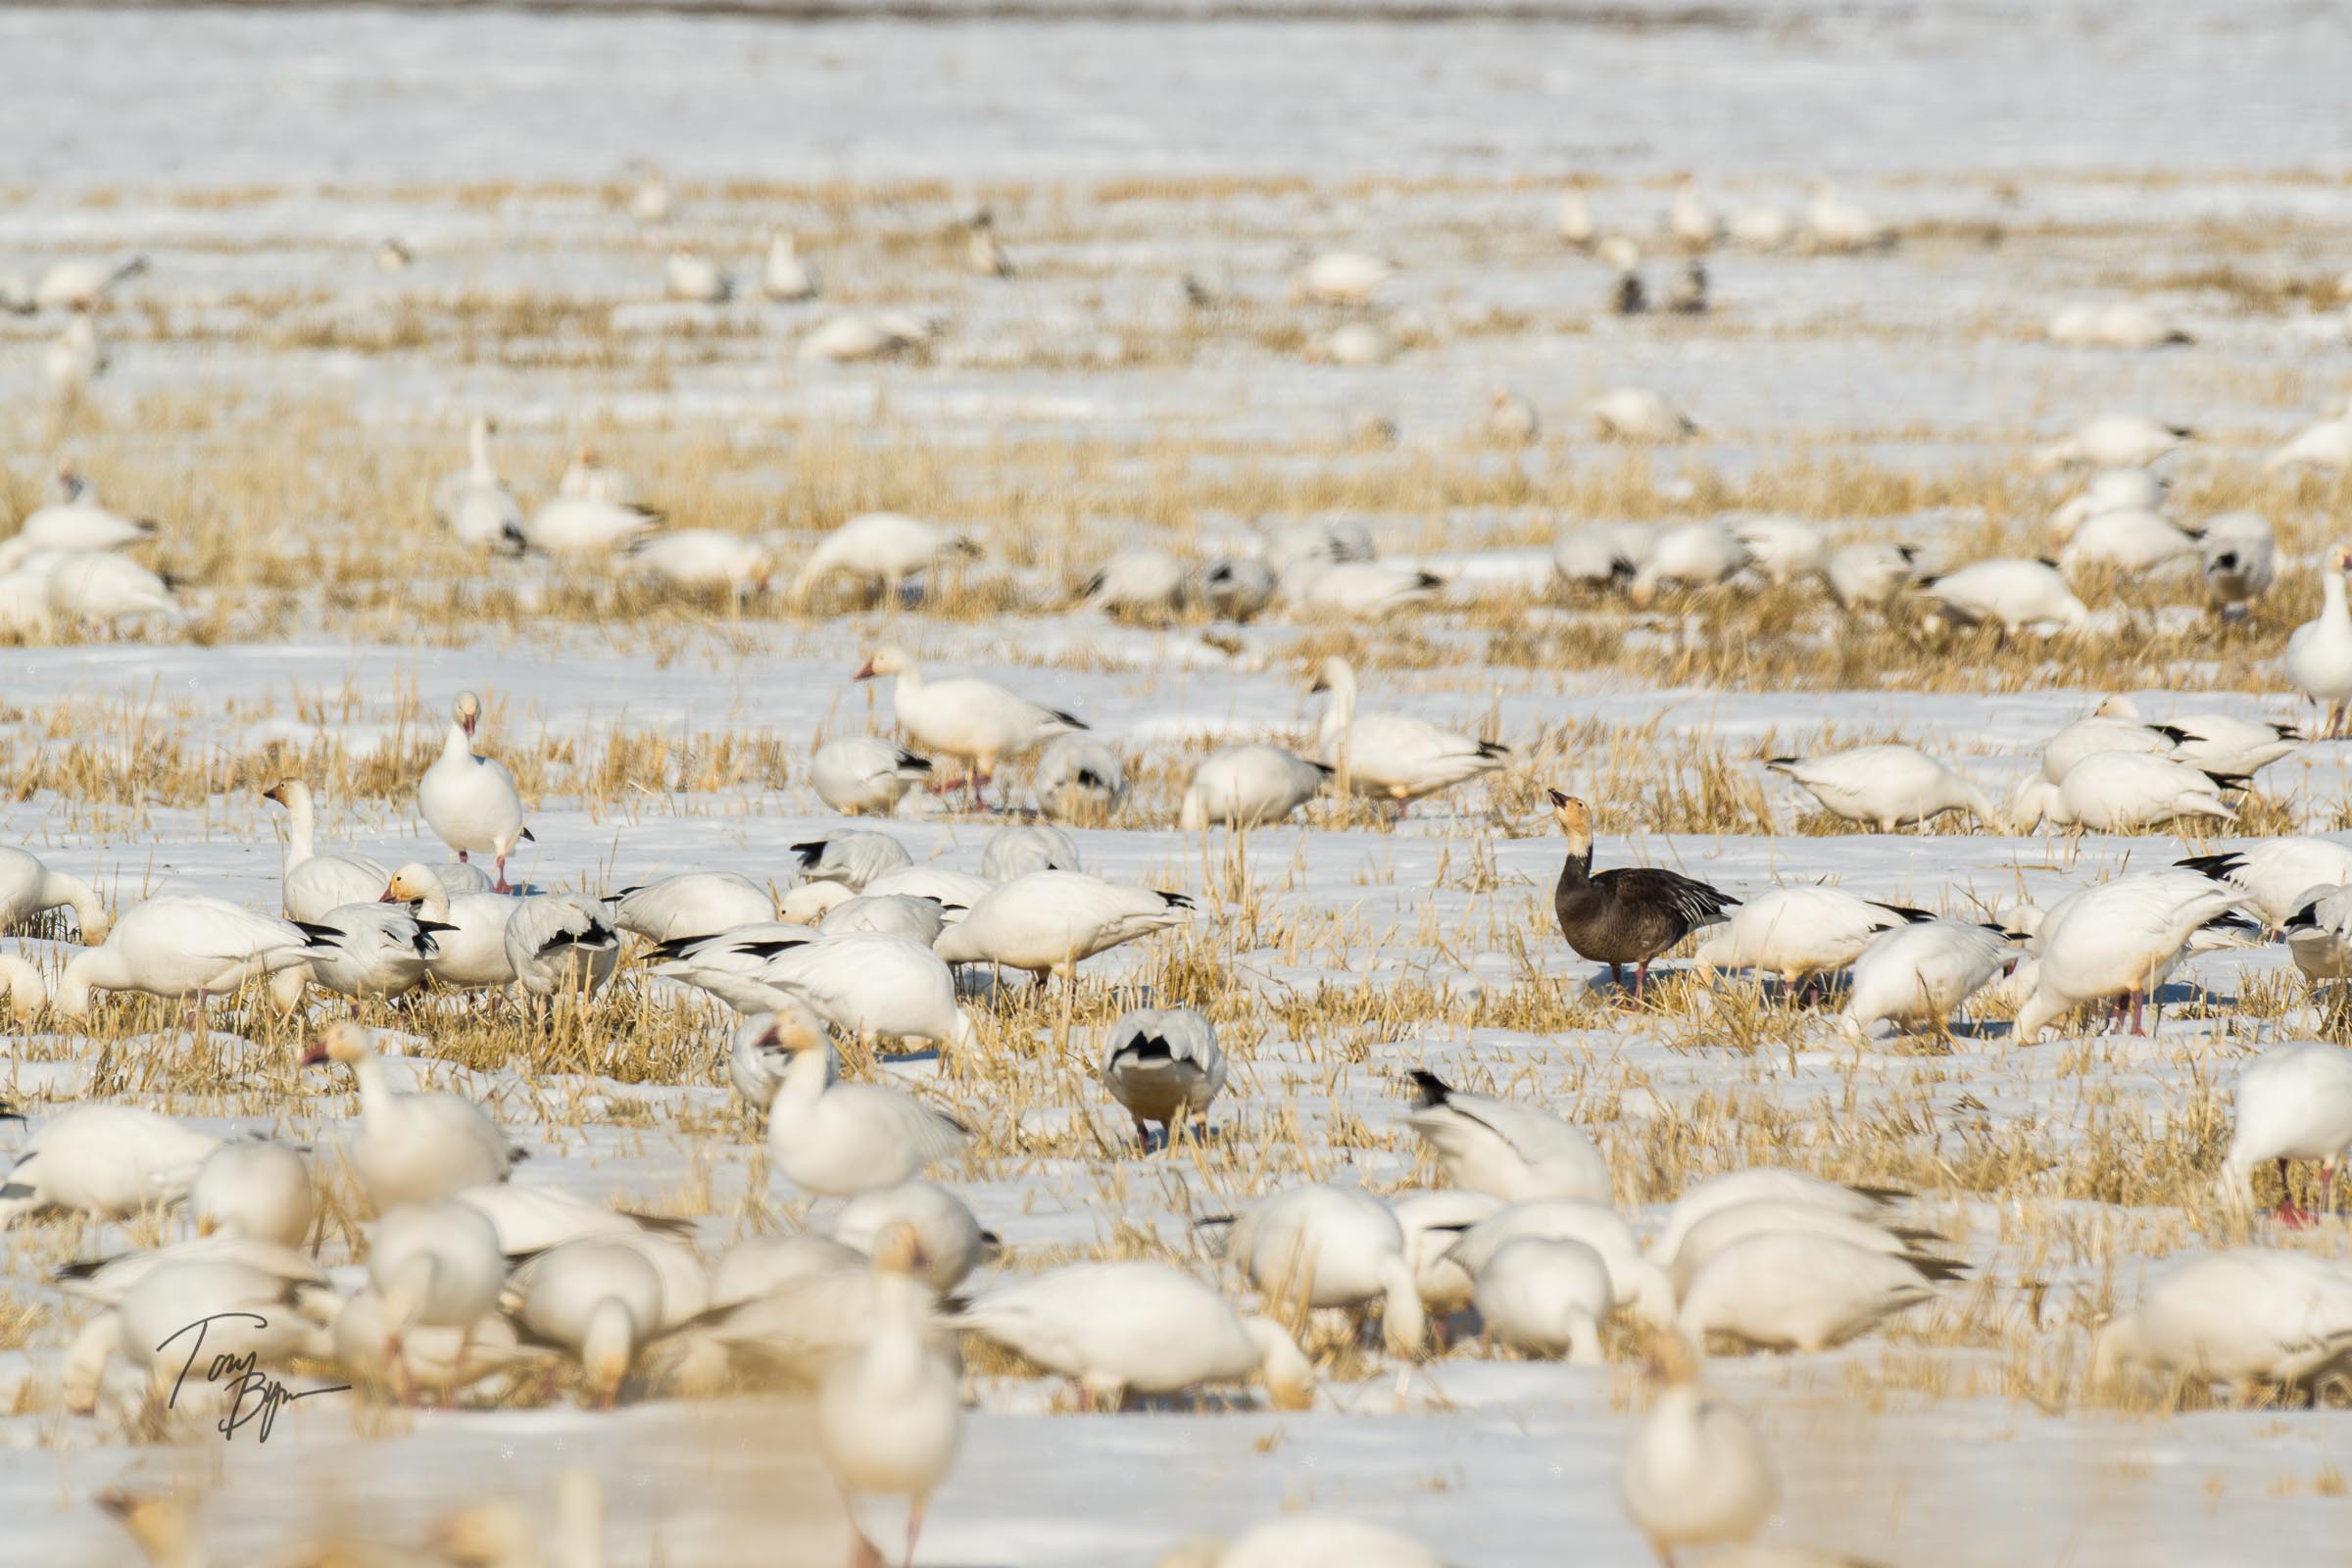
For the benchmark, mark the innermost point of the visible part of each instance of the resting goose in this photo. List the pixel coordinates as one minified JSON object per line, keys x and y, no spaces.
{"x":1628,"y":915}
{"x":2244,"y":1318}
{"x":315,"y":883}
{"x":2240,"y":560}
{"x":474,"y":504}
{"x":1020,"y":848}
{"x":1162,"y":1065}
{"x":1922,"y":973}
{"x":2114,"y":441}
{"x":378,"y":949}
{"x":574,"y":525}
{"x":787,"y":277}
{"x":530,"y":1220}
{"x":28,"y":888}
{"x":470,"y":801}
{"x":1249,"y":786}
{"x":98,"y":587}
{"x":2319,"y":652}
{"x":851,"y":858}
{"x":1693,"y":224}
{"x":857,"y":336}
{"x":837,"y":1139}
{"x":1696,"y":1471}
{"x":1886,"y":786}
{"x":1342,"y":278}
{"x":1636,"y":414}
{"x":1139,"y":1327}
{"x":1634,"y":1282}
{"x":2119,"y":791}
{"x":183,"y":945}
{"x":1545,"y":1297}
{"x":950,"y":1241}
{"x":1801,"y":934}
{"x":559,"y":945}
{"x":1136,"y":582}
{"x":1079,"y":779}
{"x":1837,"y":226}
{"x":1393,"y":754}
{"x":879,"y":551}
{"x":1757,"y":1184}
{"x":411,"y":1147}
{"x":889,"y":1416}
{"x":2131,"y":541}
{"x":256,"y":1190}
{"x":1696,"y":555}
{"x":690,"y":903}
{"x":1573,"y":220}
{"x":1049,"y":923}
{"x":1511,"y":419}
{"x":1725,"y":1228}
{"x":2115,"y":940}
{"x":2293,"y":1101}
{"x":1793,"y":1290}
{"x":1331,"y":1246}
{"x":1602,"y":555}
{"x":977,"y":721}
{"x":2012,"y":594}
{"x":470,"y":935}
{"x":1511,"y":1151}
{"x":106,"y":1160}
{"x":78,"y":523}
{"x":2215,"y":743}
{"x":696,"y":279}
{"x":600,"y":1301}
{"x":859,"y":774}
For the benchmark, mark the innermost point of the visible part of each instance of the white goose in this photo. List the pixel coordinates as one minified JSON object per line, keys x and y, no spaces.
{"x":1636,"y":1282}
{"x":1694,"y":554}
{"x":559,"y":945}
{"x":957,"y":890}
{"x":184,"y":945}
{"x":1356,"y":590}
{"x":255,"y":1188}
{"x":2325,"y":445}
{"x":1136,"y":582}
{"x":786,"y":275}
{"x":873,"y":987}
{"x":2130,"y":541}
{"x":1886,"y":786}
{"x":2109,"y":490}
{"x":1545,"y":1298}
{"x":78,"y":523}
{"x":2277,"y":874}
{"x":888,"y":1415}
{"x":878,"y":551}
{"x":950,"y":1241}
{"x":1801,"y":934}
{"x":2318,"y":935}
{"x":855,"y":336}
{"x":1162,"y":1065}
{"x":851,"y":858}
{"x":1500,"y":1147}
{"x":530,"y":1220}
{"x":1573,"y":219}
{"x":2319,"y":652}
{"x":763,"y":1265}
{"x":434,"y":1266}
{"x":977,"y":721}
{"x":1140,"y":1327}
{"x":28,"y":888}
{"x":106,"y":1160}
{"x":412,"y":1148}
{"x":78,"y":282}
{"x":837,"y":1139}
{"x":470,"y":936}
{"x":2240,"y":560}
{"x":2293,"y":1101}
{"x":2243,"y":1317}
{"x":1726,"y":1228}
{"x":2115,"y":940}
{"x":1921,"y":974}
{"x":1636,"y":414}
{"x":1511,"y":421}
{"x":1836,"y":224}
{"x":470,"y":801}
{"x":1079,"y":779}
{"x":378,"y":949}
{"x":2120,"y":791}
{"x":247,"y":1312}
{"x":1393,"y":754}
{"x":705,"y":557}
{"x":1598,"y":555}
{"x":1696,"y":1472}
{"x":696,"y":279}
{"x":1049,"y":923}
{"x":690,"y":903}
{"x":885,"y":914}
{"x":1020,"y":848}
{"x":1234,"y":587}
{"x":586,"y":477}
{"x":1784,"y":549}
{"x":1342,"y":278}
{"x":2216,"y":743}
{"x":443,"y":1359}
{"x":22,"y":988}
{"x":1791,"y":1289}
{"x":1249,"y":786}
{"x":1331,"y":1246}
{"x":1693,"y":224}
{"x":74,"y":357}
{"x":474,"y":504}
{"x":2114,"y":441}
{"x":685,"y":1285}
{"x":1434,"y":1220}
{"x":98,"y":587}
{"x":599,"y":1300}
{"x":1305,"y":1540}
{"x":576,"y":525}
{"x":1757,"y":1184}
{"x":2013,"y":594}
{"x":315,"y":883}
{"x":859,"y":774}
{"x":2110,"y":729}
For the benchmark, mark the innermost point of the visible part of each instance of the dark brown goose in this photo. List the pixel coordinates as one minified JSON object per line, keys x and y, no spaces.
{"x":1630,"y":914}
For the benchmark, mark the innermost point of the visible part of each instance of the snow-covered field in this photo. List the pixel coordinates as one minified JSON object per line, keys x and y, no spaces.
{"x":282,"y":406}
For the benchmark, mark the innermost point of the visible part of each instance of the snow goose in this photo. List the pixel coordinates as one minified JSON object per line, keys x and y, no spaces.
{"x":468,"y":799}
{"x":2011,"y":593}
{"x":879,"y":551}
{"x":2241,"y":557}
{"x":1801,"y":934}
{"x":2117,"y":791}
{"x":24,"y":613}
{"x":434,"y":1266}
{"x":470,"y":929}
{"x":1784,"y":549}
{"x":1342,"y":278}
{"x":579,"y":525}
{"x":106,"y":1160}
{"x":837,"y":1139}
{"x":855,"y":337}
{"x":2244,"y":1318}
{"x":587,"y":478}
{"x":1328,"y":539}
{"x":1139,"y":1327}
{"x":2217,"y":743}
{"x":2325,"y":445}
{"x":2293,"y":1101}
{"x":705,"y":557}
{"x":1601,"y":554}
{"x":1545,"y":1298}
{"x":893,"y":914}
{"x":1696,"y":1471}
{"x":1693,"y":224}
{"x":851,"y":858}
{"x":79,"y":282}
{"x":21,"y":988}
{"x":1761,"y":228}
{"x":787,"y":277}
{"x":412,"y":1148}
{"x":1393,"y":754}
{"x":1636,"y":414}
{"x":1758,"y":1184}
{"x":1835,"y":224}
{"x":1790,"y":1289}
{"x":1330,"y":1247}
{"x":1433,"y":1221}
{"x":561,"y":946}
{"x":427,"y":1357}
{"x":1511,"y":419}
{"x":1627,"y":915}
{"x":2319,"y":652}
{"x":763,"y":1265}
{"x":1356,"y":590}
{"x":246,"y":1314}
{"x":859,"y":774}
{"x":2131,"y":541}
{"x":1079,"y":779}
{"x":1020,"y":848}
{"x":378,"y":949}
{"x":1634,"y":1282}
{"x":2319,"y":934}
{"x":983,"y":257}
{"x":1696,"y":555}
{"x":685,"y":1284}
{"x":1724,"y":1228}
{"x":874,"y":988}
{"x":474,"y":504}
{"x":950,"y":1241}
{"x":98,"y":587}
{"x":1246,"y":786}
{"x":1162,"y":1065}
{"x":315,"y":883}
{"x":2109,"y":490}
{"x":1234,"y":587}
{"x":809,"y":902}
{"x":690,"y":903}
{"x":1136,"y":582}
{"x":255,"y":1188}
{"x":79,"y":523}
{"x":1305,"y":1540}
{"x":1886,"y":786}
{"x":1500,"y":1147}
{"x":888,"y":1414}
{"x":2126,"y":324}
{"x":2114,"y":441}
{"x":2110,"y":729}
{"x":2115,"y":940}
{"x":696,"y":279}
{"x":1921,"y":974}
{"x":75,"y":358}
{"x":186,"y":945}
{"x":28,"y":888}
{"x":1573,"y":220}
{"x":599,"y":1300}
{"x":1049,"y":923}
{"x":975,"y":720}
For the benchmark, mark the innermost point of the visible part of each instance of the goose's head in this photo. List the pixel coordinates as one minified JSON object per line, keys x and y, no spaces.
{"x":287,"y":792}
{"x":2117,"y":706}
{"x":343,"y":1041}
{"x":887,"y":660}
{"x":408,"y":884}
{"x":1575,"y":818}
{"x":792,"y":1029}
{"x":586,"y":455}
{"x":1333,"y":675}
{"x":162,"y":1526}
{"x":1671,"y":1361}
{"x":897,"y":1250}
{"x":2340,"y":558}
{"x":487,"y":1533}
{"x":467,"y":711}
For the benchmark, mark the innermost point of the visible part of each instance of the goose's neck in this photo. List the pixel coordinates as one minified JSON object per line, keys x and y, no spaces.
{"x":302,"y":827}
{"x":375,"y":1090}
{"x":58,"y":888}
{"x":477,"y":446}
{"x":88,"y":970}
{"x":1578,"y":868}
{"x":2332,"y":587}
{"x":434,"y":903}
{"x":911,"y":681}
{"x":805,"y":1080}
{"x":456,"y":743}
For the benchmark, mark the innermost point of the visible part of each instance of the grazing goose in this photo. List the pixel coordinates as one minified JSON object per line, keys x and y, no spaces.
{"x":183,"y":945}
{"x":445,"y":1359}
{"x":315,"y":883}
{"x":434,"y":1265}
{"x":889,"y":1417}
{"x":22,"y":988}
{"x":1887,"y":786}
{"x":1249,"y":786}
{"x":787,"y":277}
{"x":2318,"y":935}
{"x":975,"y":720}
{"x":1634,"y":1282}
{"x":855,"y":336}
{"x":2131,"y":541}
{"x":1510,"y":419}
{"x":474,"y":504}
{"x":2114,"y":441}
{"x":763,"y":1265}
{"x":1601,"y":554}
{"x":1356,"y":591}
{"x":838,"y":1140}
{"x":2319,"y":652}
{"x":690,"y":903}
{"x":983,"y":257}
{"x":892,"y":914}
{"x":79,"y":282}
{"x":250,"y":1316}
{"x":378,"y":949}
{"x":1234,"y":587}
{"x":1759,"y":1184}
{"x":2293,"y":1101}
{"x":577,"y":525}
{"x":1139,"y":1327}
{"x":28,"y":888}
{"x":1328,"y":539}
{"x":1545,"y":1297}
{"x":851,"y":858}
{"x":1793,"y":1290}
{"x":1162,"y":1065}
{"x":1801,"y":934}
{"x":1784,"y":549}
{"x":1628,"y":915}
{"x":1305,"y":1540}
{"x":685,"y":1285}
{"x":597,"y":1299}
{"x":736,"y":957}
{"x":705,"y":557}
{"x":1434,"y":1222}
{"x":1837,"y":226}
{"x":1696,"y":555}
{"x":1049,"y":923}
{"x":1725,"y":1228}
{"x":859,"y":774}
{"x":2126,"y":324}
{"x":2240,"y":559}
{"x":470,"y":801}
{"x":1393,"y":754}
{"x":587,"y":478}
{"x":411,"y":1147}
{"x":2107,"y":730}
{"x":951,"y":1243}
{"x":1136,"y":582}
{"x":1020,"y":848}
{"x":98,"y":587}
{"x":1921,"y":974}
{"x":1636,"y":414}
{"x":1514,"y":1152}
{"x":2325,"y":445}
{"x":529,"y":1220}
{"x":879,"y":551}
{"x":2244,"y":1318}
{"x":696,"y":279}
{"x":2217,"y":743}
{"x":2120,"y":791}
{"x":1696,"y":1471}
{"x":2109,"y":490}
{"x":470,"y":929}
{"x":560,"y":946}
{"x":2012,"y":594}
{"x":1342,"y":278}
{"x":256,"y":1190}
{"x":1079,"y":779}
{"x":2115,"y":940}
{"x":1331,"y":1246}
{"x":106,"y":1160}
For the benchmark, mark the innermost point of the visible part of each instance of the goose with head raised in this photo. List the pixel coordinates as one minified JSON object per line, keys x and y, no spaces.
{"x":975,"y":720}
{"x":837,"y":1139}
{"x":1394,"y":756}
{"x":470,"y":929}
{"x":469,"y":800}
{"x":474,"y":504}
{"x":315,"y":883}
{"x":1631,"y":914}
{"x":2319,"y":652}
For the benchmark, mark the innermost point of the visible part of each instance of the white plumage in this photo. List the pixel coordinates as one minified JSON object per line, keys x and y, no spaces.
{"x":1545,"y":1297}
{"x":2242,"y":1317}
{"x":690,"y":903}
{"x":184,"y":945}
{"x":2293,"y":1101}
{"x":2013,"y":594}
{"x":470,"y":802}
{"x":878,"y":551}
{"x":560,"y":943}
{"x":837,"y":1138}
{"x":1162,"y":1065}
{"x":1051,"y":921}
{"x":1246,"y":786}
{"x":1332,"y":1246}
{"x":1500,"y":1147}
{"x":1800,"y":933}
{"x":2319,"y":652}
{"x":975,"y":720}
{"x":1790,"y":1289}
{"x":858,"y":774}
{"x":412,"y":1148}
{"x":1887,"y":786}
{"x":1921,"y":974}
{"x":104,"y":1161}
{"x":1636,"y":414}
{"x":1394,"y":754}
